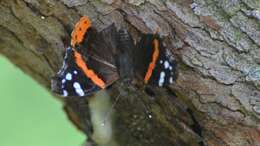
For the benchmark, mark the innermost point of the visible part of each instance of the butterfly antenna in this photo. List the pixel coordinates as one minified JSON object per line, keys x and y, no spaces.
{"x":111,"y":109}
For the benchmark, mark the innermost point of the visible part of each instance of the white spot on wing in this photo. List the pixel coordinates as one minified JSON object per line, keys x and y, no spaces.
{"x":170,"y":67}
{"x":76,"y":85}
{"x":68,"y":76}
{"x":75,"y":72}
{"x":80,"y":92}
{"x":65,"y":93}
{"x":161,"y":61}
{"x":161,"y":80}
{"x":166,"y":64}
{"x":171,"y":80}
{"x":63,"y":81}
{"x":78,"y":89}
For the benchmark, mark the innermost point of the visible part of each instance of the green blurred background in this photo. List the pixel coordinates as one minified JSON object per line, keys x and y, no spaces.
{"x":29,"y":115}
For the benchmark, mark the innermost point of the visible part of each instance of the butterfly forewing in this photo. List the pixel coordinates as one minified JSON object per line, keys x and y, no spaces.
{"x":164,"y":72}
{"x":71,"y":80}
{"x":154,"y":61}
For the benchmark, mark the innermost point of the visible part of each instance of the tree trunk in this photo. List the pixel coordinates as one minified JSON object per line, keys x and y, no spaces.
{"x":216,"y":98}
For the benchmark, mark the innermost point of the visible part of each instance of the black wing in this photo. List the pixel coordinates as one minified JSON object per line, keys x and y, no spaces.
{"x":70,"y":80}
{"x":163,"y":71}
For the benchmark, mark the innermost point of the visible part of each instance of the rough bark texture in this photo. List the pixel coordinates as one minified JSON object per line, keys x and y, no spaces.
{"x":216,"y":43}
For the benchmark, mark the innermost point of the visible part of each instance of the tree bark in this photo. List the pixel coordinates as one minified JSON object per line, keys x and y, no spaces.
{"x":216,"y":98}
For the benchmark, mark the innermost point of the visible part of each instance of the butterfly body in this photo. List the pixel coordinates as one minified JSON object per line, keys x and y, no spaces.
{"x":125,"y":54}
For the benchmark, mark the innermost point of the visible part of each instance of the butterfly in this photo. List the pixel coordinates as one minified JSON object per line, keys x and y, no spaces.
{"x":88,"y":64}
{"x":154,"y":62}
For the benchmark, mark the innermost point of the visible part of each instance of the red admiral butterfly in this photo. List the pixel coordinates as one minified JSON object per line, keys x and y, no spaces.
{"x":89,"y":63}
{"x":85,"y":69}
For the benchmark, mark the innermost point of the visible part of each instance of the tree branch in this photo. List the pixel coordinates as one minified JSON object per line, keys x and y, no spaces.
{"x":216,"y":43}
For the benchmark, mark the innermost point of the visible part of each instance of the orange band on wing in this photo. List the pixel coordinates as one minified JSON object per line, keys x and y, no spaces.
{"x":88,"y":72}
{"x":79,"y":31}
{"x":154,"y":59}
